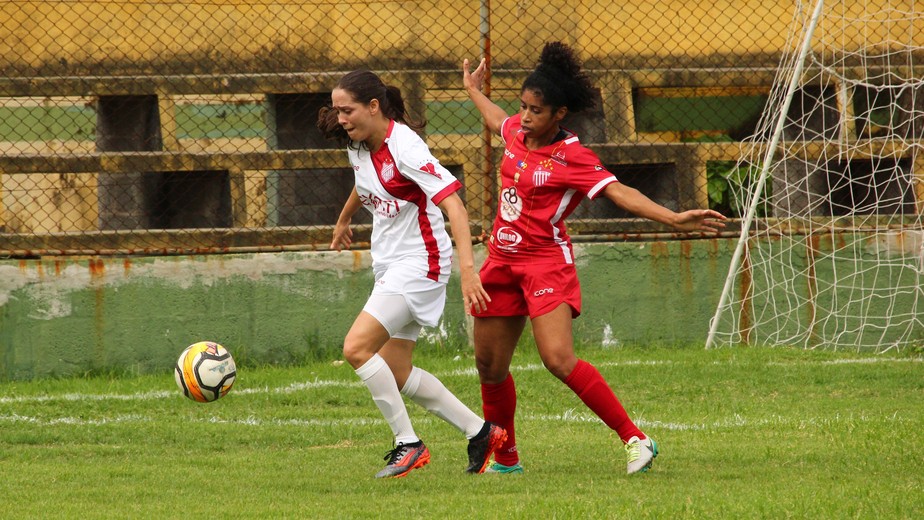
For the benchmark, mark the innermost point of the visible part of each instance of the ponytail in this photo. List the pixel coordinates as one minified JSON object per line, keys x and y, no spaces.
{"x":393,"y":108}
{"x":330,"y":127}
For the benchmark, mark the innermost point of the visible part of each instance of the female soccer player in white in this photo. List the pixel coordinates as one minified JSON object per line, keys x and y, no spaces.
{"x":404,"y":187}
{"x":530,"y":270}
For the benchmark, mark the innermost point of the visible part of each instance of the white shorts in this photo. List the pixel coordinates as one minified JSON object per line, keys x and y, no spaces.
{"x":404,"y":301}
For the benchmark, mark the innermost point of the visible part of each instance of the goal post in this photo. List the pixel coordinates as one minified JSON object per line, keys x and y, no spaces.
{"x":831,"y":250}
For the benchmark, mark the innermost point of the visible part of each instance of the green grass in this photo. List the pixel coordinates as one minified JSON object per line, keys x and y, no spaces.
{"x":78,"y":122}
{"x":745,"y":433}
{"x":677,"y":114}
{"x":461,"y":117}
{"x":212,"y":121}
{"x":39,"y":123}
{"x":223,"y":120}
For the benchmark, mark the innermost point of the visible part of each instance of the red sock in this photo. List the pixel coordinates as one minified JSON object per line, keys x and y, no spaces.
{"x":589,"y":385}
{"x":499,"y":403}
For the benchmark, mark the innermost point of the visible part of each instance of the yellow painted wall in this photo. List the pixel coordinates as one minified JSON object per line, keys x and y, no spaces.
{"x":149,"y":36}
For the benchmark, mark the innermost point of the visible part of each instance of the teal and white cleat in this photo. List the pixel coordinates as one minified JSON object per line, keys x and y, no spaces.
{"x":640,"y":454}
{"x":496,"y":467}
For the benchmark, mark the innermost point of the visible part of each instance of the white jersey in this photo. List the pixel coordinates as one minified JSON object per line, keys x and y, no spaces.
{"x":401,"y":185}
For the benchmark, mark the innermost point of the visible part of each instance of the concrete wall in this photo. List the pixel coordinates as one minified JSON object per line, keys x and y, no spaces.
{"x":71,"y":316}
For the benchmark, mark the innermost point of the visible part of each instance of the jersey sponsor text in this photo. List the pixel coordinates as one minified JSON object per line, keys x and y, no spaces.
{"x":508,"y":238}
{"x":382,"y":207}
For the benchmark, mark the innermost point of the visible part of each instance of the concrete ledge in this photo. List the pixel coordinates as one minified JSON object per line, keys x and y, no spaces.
{"x":76,"y":315}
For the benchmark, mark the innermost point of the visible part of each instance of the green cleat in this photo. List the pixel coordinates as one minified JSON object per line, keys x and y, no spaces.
{"x":496,"y":467}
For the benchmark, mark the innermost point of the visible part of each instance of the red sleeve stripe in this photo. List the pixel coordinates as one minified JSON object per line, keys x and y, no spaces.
{"x":447,"y":191}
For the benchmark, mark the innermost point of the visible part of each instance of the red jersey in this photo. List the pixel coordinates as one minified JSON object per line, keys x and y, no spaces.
{"x":539,"y":189}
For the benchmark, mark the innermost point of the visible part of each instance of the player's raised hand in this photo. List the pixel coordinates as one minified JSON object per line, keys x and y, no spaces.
{"x":473,"y":80}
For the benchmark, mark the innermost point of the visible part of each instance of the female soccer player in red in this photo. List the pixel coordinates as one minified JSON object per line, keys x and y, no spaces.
{"x":404,"y":187}
{"x":529,"y":271}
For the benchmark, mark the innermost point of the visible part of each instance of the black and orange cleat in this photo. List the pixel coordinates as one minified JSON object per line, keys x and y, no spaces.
{"x":404,"y":458}
{"x":482,"y":446}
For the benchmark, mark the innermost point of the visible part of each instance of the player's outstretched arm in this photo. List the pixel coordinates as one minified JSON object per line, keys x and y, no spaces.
{"x":343,"y":235}
{"x":474,"y":81}
{"x":635,"y":202}
{"x":473,"y":294}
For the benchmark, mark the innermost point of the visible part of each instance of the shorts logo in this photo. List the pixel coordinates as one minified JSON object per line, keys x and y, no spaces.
{"x":547,"y":290}
{"x":508,"y":238}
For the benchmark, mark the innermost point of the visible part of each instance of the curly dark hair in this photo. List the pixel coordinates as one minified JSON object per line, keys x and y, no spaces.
{"x":558,"y":78}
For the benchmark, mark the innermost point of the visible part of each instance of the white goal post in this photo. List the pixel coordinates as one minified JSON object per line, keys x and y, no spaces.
{"x":831,"y":250}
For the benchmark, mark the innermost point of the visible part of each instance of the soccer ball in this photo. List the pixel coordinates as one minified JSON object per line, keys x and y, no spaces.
{"x":205,"y":371}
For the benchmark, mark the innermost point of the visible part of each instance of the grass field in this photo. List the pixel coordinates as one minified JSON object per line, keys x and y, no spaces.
{"x":745,"y":433}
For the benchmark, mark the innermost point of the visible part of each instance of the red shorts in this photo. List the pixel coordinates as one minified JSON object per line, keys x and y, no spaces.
{"x":529,"y":290}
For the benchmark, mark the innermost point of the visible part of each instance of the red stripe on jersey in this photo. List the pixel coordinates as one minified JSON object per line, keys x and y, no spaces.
{"x":447,"y":191}
{"x":405,"y":189}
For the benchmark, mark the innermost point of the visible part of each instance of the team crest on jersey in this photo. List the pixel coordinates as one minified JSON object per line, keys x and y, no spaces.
{"x":542,"y":172}
{"x":431,"y":169}
{"x":388,"y":171}
{"x":540,"y":176}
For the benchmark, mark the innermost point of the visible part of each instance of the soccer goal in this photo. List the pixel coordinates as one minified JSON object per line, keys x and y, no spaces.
{"x":831,"y":251}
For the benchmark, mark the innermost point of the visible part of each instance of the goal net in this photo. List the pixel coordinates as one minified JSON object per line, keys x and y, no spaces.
{"x":831,"y":253}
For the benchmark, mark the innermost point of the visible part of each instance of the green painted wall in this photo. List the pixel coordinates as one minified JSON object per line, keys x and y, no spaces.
{"x":72,"y":316}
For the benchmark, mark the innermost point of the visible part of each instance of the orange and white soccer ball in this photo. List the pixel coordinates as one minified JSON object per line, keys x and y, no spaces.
{"x":205,"y":371}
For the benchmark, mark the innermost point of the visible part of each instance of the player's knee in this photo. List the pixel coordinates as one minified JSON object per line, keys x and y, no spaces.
{"x":355,"y":353}
{"x":490,"y":372}
{"x":559,"y":365}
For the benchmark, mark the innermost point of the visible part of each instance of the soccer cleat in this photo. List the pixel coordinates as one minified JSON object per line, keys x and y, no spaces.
{"x":480,"y":451}
{"x":640,"y":454}
{"x":497,"y":467}
{"x":403,"y":459}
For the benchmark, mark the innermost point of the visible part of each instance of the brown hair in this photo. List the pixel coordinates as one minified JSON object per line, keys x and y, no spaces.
{"x":364,"y":86}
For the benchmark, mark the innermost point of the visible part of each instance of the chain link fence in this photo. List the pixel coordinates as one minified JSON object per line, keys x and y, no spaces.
{"x":162,"y":127}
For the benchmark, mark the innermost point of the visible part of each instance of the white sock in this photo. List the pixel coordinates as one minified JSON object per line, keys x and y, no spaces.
{"x":426,"y":390}
{"x":380,"y":381}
